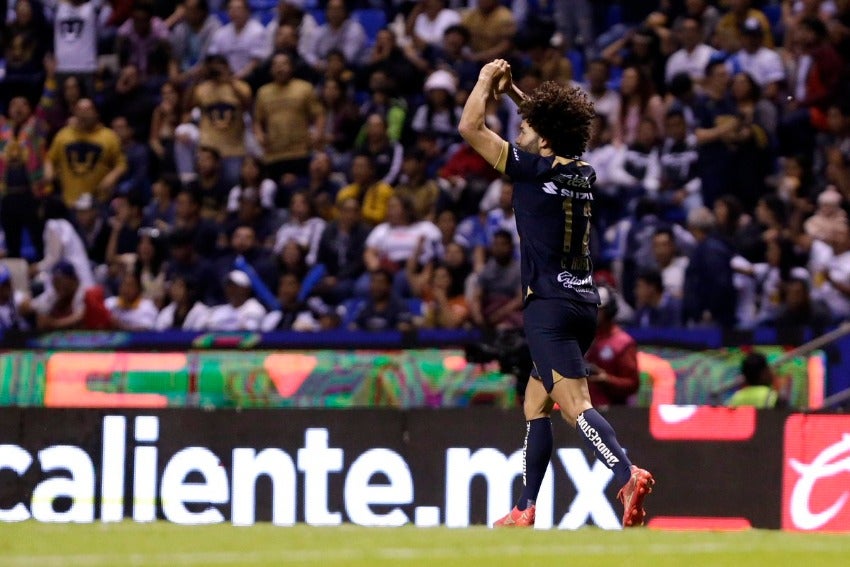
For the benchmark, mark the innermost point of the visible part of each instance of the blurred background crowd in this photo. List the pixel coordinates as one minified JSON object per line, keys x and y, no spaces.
{"x":260,"y":165}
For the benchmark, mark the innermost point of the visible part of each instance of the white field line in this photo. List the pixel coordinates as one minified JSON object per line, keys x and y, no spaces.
{"x":401,"y":554}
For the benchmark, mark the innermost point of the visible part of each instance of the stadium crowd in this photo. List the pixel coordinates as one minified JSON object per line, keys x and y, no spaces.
{"x":246,"y":165}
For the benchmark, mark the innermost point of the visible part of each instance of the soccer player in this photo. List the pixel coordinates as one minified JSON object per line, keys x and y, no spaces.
{"x":553,"y":200}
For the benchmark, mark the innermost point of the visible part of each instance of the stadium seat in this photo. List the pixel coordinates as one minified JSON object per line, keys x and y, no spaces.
{"x":373,"y":20}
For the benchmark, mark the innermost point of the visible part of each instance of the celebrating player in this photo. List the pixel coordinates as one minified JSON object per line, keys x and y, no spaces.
{"x":553,"y":198}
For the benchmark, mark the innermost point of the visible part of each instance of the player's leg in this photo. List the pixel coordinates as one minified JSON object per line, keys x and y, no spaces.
{"x":536,"y":453}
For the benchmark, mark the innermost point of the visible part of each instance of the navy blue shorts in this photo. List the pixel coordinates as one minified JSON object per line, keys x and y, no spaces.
{"x":559,"y":332}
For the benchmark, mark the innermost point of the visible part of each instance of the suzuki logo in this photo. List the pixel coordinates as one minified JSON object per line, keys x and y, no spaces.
{"x":825,"y":465}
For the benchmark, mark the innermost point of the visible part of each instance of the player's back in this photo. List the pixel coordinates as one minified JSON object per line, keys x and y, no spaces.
{"x":553,"y":202}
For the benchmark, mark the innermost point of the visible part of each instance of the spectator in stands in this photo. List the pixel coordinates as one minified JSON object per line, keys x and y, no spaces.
{"x":342,"y":122}
{"x":28,"y":38}
{"x":387,"y":155}
{"x":22,"y":152}
{"x":223,"y":101}
{"x":185,"y":261}
{"x":417,"y":186}
{"x":187,"y":218}
{"x":295,"y":314}
{"x":252,"y":177}
{"x":758,"y":389}
{"x":612,"y":358}
{"x":829,"y":218}
{"x":92,"y":228}
{"x":704,"y":12}
{"x":739,"y":12}
{"x":341,"y":252}
{"x":392,"y":243}
{"x":163,"y":125}
{"x":452,"y":55}
{"x":303,"y":227}
{"x":428,"y":22}
{"x":680,"y":184}
{"x":669,"y":262}
{"x":150,"y":264}
{"x":606,"y":101}
{"x":76,"y":26}
{"x":339,"y":32}
{"x":11,"y":300}
{"x":640,"y":49}
{"x":497,"y":297}
{"x":373,"y":194}
{"x":129,"y":309}
{"x":61,"y":305}
{"x":241,"y":312}
{"x":291,"y":14}
{"x":443,"y":307}
{"x":383,"y":310}
{"x":387,"y":57}
{"x":143,"y":40}
{"x":190,"y":40}
{"x":131,"y":99}
{"x":160,"y":211}
{"x":125,"y":224}
{"x":798,"y":308}
{"x":694,"y":54}
{"x":242,"y":41}
{"x":709,"y":295}
{"x":244,"y":246}
{"x":638,"y":171}
{"x":385,"y":102}
{"x":321,"y":185}
{"x":288,"y":120}
{"x":185,"y":311}
{"x":135,"y":179}
{"x":439,"y":113}
{"x":501,"y":217}
{"x":639,"y":102}
{"x":61,"y":244}
{"x":716,"y":123}
{"x":654,"y":307}
{"x":85,"y":157}
{"x":763,"y":64}
{"x":760,"y":284}
{"x":834,"y":272}
{"x":210,"y":184}
{"x":491,"y":28}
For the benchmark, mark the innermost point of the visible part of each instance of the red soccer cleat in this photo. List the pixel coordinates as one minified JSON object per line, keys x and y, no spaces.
{"x":517,"y":519}
{"x":632,"y":496}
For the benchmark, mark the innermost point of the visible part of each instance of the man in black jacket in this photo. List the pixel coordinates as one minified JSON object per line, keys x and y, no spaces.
{"x":341,"y":252}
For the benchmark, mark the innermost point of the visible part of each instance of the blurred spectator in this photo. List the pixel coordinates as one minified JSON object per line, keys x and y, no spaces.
{"x":143,"y":40}
{"x":829,"y":218}
{"x":150,"y":264}
{"x":159,"y":212}
{"x":834,"y":271}
{"x":638,"y":171}
{"x":750,"y":144}
{"x":373,"y":194}
{"x":241,"y":312}
{"x":491,"y":28}
{"x":606,"y":101}
{"x":22,"y":153}
{"x":186,"y":262}
{"x":135,"y":179}
{"x":163,"y":125}
{"x":242,"y":41}
{"x":680,"y":184}
{"x":452,"y":55}
{"x":709,"y":295}
{"x":223,"y":100}
{"x":76,"y":26}
{"x":668,"y":261}
{"x":250,"y":212}
{"x":60,"y":96}
{"x":341,"y":251}
{"x":386,"y":56}
{"x":185,"y":311}
{"x":716,"y":123}
{"x":547,"y":61}
{"x":383,"y":310}
{"x":244,"y":244}
{"x":612,"y":358}
{"x":416,"y":186}
{"x":292,"y":14}
{"x":252,"y":177}
{"x":190,"y":40}
{"x":704,"y":12}
{"x":444,"y":307}
{"x":694,"y":54}
{"x":639,"y":49}
{"x":303,"y":227}
{"x":187,"y":218}
{"x":61,"y":305}
{"x":288,"y":120}
{"x":739,"y":12}
{"x":759,"y":285}
{"x":26,"y":40}
{"x":339,"y":32}
{"x":501,"y":217}
{"x":385,"y":102}
{"x":92,"y":228}
{"x":763,"y":64}
{"x":639,"y":102}
{"x":758,"y":378}
{"x":130,"y":311}
{"x":342,"y":121}
{"x":439,"y":114}
{"x":387,"y":155}
{"x":497,"y":298}
{"x":654,"y":307}
{"x":321,"y":185}
{"x":62,"y":244}
{"x":11,"y":299}
{"x":295,"y":314}
{"x":210,"y":184}
{"x":85,"y":157}
{"x":125,"y":223}
{"x":798,"y":309}
{"x":428,"y":22}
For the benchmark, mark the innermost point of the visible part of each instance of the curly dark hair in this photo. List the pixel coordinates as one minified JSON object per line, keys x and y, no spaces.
{"x":560,"y":114}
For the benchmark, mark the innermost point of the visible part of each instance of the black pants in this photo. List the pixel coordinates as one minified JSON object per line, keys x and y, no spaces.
{"x":19,"y":211}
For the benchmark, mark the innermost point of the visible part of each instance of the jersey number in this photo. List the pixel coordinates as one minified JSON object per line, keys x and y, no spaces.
{"x":568,"y":230}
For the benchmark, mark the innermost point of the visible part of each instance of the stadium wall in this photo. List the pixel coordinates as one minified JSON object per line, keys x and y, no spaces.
{"x":715,"y":468}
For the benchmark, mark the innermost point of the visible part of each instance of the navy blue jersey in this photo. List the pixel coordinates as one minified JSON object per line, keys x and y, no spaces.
{"x":553,"y":201}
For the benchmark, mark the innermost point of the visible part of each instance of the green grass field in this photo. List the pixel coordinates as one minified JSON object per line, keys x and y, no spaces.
{"x":32,"y":544}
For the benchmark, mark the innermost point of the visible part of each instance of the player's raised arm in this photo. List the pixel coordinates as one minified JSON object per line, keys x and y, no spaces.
{"x":472,"y":126}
